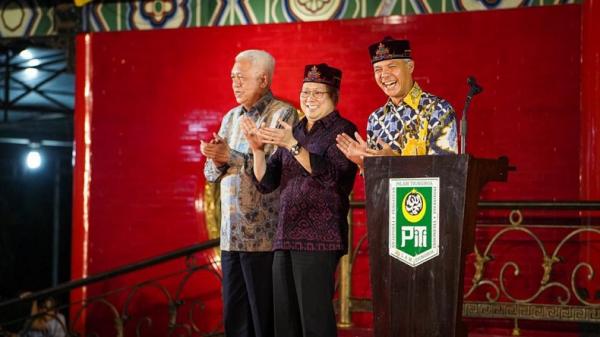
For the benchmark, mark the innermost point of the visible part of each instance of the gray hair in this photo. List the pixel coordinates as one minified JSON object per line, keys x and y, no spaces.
{"x":260,"y":59}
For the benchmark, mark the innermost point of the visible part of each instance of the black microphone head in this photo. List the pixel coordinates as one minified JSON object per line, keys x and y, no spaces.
{"x":475,"y":88}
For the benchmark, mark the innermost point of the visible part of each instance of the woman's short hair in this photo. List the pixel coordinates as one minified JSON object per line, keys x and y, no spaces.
{"x":334,"y":94}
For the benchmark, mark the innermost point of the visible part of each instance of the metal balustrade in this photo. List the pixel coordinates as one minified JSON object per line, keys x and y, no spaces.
{"x":502,"y":285}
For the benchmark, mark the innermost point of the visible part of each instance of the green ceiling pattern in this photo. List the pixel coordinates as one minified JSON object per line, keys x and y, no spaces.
{"x":20,"y":18}
{"x":25,"y":18}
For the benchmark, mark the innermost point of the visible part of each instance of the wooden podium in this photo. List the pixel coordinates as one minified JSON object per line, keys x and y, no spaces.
{"x":417,"y":267}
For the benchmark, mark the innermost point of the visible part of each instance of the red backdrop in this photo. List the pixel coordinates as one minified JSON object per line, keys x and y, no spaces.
{"x":145,"y":99}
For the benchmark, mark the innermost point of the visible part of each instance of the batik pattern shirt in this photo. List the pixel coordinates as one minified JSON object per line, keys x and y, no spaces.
{"x":314,"y":206}
{"x":248,"y":217}
{"x":421,"y":124}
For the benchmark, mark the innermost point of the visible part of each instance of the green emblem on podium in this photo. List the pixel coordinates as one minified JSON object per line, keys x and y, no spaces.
{"x":414,"y":219}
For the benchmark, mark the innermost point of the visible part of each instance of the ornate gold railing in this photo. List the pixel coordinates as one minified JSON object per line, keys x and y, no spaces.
{"x":559,"y":277}
{"x":563,"y":274}
{"x":182,"y":314}
{"x":519,"y":270}
{"x":525,"y":270}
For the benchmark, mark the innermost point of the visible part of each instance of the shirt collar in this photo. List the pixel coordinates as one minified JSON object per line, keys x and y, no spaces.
{"x":327,"y":121}
{"x":411,"y":99}
{"x":259,"y":107}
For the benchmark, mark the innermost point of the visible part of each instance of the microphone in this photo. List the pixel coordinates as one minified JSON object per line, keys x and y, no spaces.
{"x":475,"y":88}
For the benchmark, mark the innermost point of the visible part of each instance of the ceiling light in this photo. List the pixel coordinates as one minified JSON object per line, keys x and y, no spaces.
{"x":34,"y":159}
{"x":31,"y":72}
{"x":34,"y":63}
{"x":25,"y":53}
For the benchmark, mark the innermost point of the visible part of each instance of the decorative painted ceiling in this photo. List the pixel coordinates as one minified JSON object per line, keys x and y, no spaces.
{"x":196,"y":13}
{"x":21,"y":18}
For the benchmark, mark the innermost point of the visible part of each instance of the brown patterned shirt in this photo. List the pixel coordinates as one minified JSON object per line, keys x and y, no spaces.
{"x":248,"y":218}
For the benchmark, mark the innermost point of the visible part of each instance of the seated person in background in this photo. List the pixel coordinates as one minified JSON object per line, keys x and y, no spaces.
{"x":56,"y":325}
{"x":45,"y":321}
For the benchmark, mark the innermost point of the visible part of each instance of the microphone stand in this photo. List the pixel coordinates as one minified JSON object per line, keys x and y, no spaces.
{"x":474,"y":89}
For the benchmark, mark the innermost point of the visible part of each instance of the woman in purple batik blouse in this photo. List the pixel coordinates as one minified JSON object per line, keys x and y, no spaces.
{"x":315,"y":180}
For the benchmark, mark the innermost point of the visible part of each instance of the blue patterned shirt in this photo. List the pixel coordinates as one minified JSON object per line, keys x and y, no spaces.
{"x":422,"y":124}
{"x":248,"y":217}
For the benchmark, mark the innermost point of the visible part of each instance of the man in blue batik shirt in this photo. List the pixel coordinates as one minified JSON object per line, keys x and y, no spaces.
{"x":412,"y":121}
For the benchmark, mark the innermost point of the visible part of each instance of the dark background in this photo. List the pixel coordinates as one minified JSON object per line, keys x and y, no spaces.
{"x":27,"y":211}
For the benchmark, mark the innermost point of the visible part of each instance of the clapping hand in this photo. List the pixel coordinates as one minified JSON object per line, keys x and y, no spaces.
{"x":354,"y":150}
{"x":281,"y":137}
{"x":357,"y":150}
{"x":250,"y":131}
{"x":386,"y":149}
{"x":215,"y":149}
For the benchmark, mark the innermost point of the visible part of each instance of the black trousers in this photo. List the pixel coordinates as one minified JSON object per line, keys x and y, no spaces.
{"x":303,"y":286}
{"x":247,"y":293}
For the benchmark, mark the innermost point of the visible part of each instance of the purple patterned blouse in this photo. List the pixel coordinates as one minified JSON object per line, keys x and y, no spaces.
{"x":313,"y":207}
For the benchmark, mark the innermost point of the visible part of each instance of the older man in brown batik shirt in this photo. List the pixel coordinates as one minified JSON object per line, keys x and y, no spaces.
{"x":248,"y":218}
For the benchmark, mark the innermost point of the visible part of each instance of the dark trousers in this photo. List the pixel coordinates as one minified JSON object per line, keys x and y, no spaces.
{"x":247,"y":293}
{"x":303,"y":286}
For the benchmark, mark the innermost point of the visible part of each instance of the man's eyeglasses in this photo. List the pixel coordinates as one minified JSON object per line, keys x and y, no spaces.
{"x":315,"y":94}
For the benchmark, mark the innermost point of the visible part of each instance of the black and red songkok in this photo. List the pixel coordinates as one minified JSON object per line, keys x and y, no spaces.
{"x":322,"y":73}
{"x":388,"y":49}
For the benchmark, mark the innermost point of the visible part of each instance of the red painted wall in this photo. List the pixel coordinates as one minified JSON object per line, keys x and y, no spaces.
{"x":145,"y":99}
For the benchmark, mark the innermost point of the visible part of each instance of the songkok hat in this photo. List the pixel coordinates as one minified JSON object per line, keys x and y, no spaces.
{"x":388,"y":49}
{"x":322,"y":73}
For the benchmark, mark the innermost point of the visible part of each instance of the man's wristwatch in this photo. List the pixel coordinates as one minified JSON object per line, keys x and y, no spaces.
{"x":295,"y":149}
